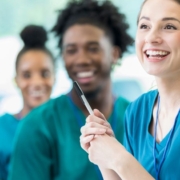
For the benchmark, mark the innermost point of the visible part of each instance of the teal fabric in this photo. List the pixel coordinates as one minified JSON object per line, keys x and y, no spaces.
{"x":139,"y":142}
{"x":8,"y":126}
{"x":47,"y":145}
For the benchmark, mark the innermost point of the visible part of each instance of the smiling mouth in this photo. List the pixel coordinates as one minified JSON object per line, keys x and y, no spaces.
{"x":87,"y":74}
{"x":37,"y":94}
{"x":85,"y":77}
{"x":156,"y":54}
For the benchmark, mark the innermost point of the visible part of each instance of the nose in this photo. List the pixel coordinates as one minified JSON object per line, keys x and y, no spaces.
{"x":83,"y":57}
{"x":37,"y":80}
{"x":153,"y":36}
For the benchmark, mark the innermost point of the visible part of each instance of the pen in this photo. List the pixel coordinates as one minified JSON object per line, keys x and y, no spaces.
{"x":82,"y":96}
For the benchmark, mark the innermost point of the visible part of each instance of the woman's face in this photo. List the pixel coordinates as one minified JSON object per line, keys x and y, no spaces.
{"x":35,"y":77}
{"x":158,"y":38}
{"x":88,"y":55}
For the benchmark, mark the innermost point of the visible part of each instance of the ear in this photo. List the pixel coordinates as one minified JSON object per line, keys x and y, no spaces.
{"x":16,"y":81}
{"x":54,"y":79}
{"x":116,"y":52}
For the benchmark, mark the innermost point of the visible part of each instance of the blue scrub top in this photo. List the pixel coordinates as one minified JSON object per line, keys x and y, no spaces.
{"x":8,"y":126}
{"x":139,"y":142}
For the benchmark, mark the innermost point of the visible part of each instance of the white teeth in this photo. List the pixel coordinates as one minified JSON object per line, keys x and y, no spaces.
{"x":85,"y":74}
{"x":153,"y":53}
{"x":37,"y":93}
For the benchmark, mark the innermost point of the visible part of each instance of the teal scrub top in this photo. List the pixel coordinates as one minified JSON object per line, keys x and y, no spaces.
{"x":47,"y":145}
{"x":8,"y":126}
{"x":139,"y":142}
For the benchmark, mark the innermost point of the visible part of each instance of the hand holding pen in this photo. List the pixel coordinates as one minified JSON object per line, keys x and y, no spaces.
{"x":96,"y":123}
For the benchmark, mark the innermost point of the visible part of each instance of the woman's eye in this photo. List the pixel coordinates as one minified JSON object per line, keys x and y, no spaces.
{"x":170,"y":27}
{"x":26,"y":75}
{"x":143,"y":26}
{"x":46,"y":74}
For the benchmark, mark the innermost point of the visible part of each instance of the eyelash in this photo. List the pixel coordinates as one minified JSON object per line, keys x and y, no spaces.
{"x":173,"y":27}
{"x":143,"y":26}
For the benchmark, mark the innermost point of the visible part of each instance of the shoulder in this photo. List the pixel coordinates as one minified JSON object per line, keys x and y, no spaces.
{"x":143,"y":103}
{"x":44,"y":114}
{"x":41,"y":123}
{"x":6,"y":118}
{"x":122,"y":101}
{"x":47,"y":108}
{"x":139,"y":112}
{"x":121,"y":104}
{"x":8,"y":124}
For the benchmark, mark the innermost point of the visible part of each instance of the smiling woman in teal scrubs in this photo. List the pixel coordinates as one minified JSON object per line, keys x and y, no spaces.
{"x":35,"y":78}
{"x":152,"y":122}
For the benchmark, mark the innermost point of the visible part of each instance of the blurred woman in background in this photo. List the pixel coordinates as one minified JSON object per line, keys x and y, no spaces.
{"x":35,"y":76}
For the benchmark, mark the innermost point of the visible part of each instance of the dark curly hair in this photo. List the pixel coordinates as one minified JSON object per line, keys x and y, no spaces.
{"x":34,"y":38}
{"x":101,"y":14}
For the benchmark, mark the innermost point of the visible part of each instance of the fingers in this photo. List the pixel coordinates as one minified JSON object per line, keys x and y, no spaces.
{"x":99,"y":114}
{"x":93,"y":128}
{"x":98,"y":123}
{"x":85,"y":142}
{"x":86,"y":139}
{"x":98,"y":120}
{"x":96,"y":129}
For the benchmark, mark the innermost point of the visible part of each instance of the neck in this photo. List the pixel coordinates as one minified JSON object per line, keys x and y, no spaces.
{"x":24,"y":111}
{"x":168,"y":108}
{"x":102,"y":100}
{"x":169,"y":91}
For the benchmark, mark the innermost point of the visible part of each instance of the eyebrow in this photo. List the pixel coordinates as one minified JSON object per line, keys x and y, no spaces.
{"x":170,"y":18}
{"x":74,"y":44}
{"x":163,"y":19}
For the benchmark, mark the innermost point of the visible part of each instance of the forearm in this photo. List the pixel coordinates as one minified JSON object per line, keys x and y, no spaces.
{"x":109,"y":174}
{"x":131,"y":169}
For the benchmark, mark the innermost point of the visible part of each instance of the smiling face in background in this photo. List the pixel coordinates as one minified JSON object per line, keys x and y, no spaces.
{"x":35,"y":77}
{"x":88,"y":55}
{"x":158,"y":38}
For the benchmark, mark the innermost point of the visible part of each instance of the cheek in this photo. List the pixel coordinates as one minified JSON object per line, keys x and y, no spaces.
{"x":49,"y":83}
{"x":67,"y":63}
{"x":174,"y":42}
{"x":139,"y":46}
{"x":22,"y":84}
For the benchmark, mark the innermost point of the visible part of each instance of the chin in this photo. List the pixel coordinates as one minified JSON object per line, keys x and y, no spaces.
{"x":92,"y":94}
{"x":37,"y":103}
